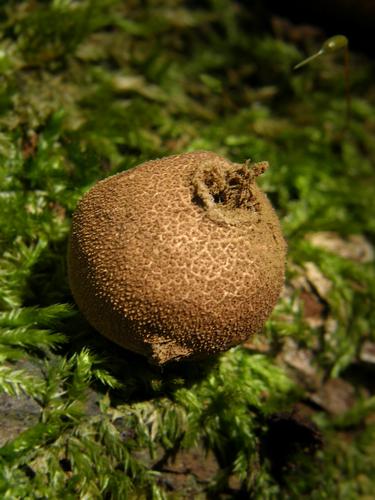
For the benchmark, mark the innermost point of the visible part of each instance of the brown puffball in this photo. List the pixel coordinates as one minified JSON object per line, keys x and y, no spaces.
{"x":177,"y":258}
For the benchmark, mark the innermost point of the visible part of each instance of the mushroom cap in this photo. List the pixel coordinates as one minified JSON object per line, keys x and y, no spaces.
{"x":177,"y":258}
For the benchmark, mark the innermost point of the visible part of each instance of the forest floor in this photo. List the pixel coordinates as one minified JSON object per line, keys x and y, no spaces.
{"x":93,"y":87}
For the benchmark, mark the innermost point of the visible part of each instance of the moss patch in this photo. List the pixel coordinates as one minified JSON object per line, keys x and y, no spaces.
{"x":91,"y":88}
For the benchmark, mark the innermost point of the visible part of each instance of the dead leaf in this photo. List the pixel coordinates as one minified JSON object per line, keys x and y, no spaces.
{"x":336,"y":396}
{"x":313,"y":309}
{"x":301,"y":360}
{"x":317,"y":279}
{"x":355,"y":247}
{"x":367,"y":353}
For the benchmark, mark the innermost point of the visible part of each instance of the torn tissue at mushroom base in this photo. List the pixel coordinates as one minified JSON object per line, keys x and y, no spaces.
{"x":177,"y":258}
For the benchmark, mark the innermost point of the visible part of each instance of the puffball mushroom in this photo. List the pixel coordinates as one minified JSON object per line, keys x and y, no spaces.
{"x":177,"y":258}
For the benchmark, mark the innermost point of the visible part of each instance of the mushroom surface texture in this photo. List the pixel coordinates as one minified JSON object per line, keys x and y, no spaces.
{"x":177,"y":258}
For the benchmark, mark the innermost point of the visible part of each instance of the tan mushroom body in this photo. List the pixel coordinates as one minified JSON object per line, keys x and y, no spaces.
{"x":177,"y":258}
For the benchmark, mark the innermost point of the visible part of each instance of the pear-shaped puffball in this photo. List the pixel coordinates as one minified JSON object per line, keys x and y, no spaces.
{"x":177,"y":258}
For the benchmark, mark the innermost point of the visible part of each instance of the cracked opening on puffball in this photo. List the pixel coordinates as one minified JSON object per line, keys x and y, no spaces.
{"x":227,"y":192}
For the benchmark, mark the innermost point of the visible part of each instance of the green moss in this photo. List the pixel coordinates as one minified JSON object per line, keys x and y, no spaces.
{"x":93,"y":87}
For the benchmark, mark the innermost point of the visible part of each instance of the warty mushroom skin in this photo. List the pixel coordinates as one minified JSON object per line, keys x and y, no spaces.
{"x":177,"y":258}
